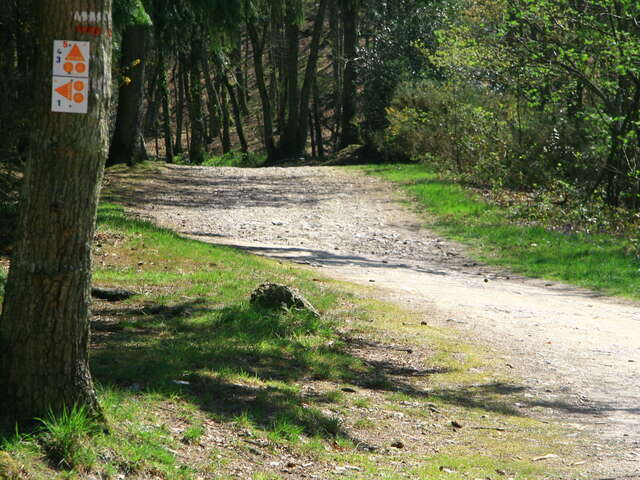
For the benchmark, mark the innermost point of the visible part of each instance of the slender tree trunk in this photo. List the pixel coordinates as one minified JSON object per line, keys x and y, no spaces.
{"x":184,"y":74}
{"x":279,"y":79}
{"x":257,"y":45}
{"x":197,"y":150}
{"x":237,"y":115}
{"x":166,"y":111}
{"x":310,"y":75}
{"x":213,"y":102}
{"x":313,"y":137}
{"x":349,"y":131}
{"x":337,"y":69}
{"x":226,"y":123}
{"x":44,"y":330}
{"x":178,"y":82}
{"x":153,"y":102}
{"x":288,"y":144}
{"x":125,"y":145}
{"x":317,"y":117}
{"x":236,"y":60}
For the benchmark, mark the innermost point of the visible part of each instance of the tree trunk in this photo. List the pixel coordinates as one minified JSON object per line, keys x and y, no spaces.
{"x":337,"y":69}
{"x":197,"y":150}
{"x":153,"y":99}
{"x":125,"y":143}
{"x":166,"y":112}
{"x":225,"y":136}
{"x":317,"y":120}
{"x":213,"y":102}
{"x":179,"y":99}
{"x":310,"y":76}
{"x":349,"y":131}
{"x":44,"y":330}
{"x":257,"y":45}
{"x":288,"y":144}
{"x":237,"y":117}
{"x":236,"y":60}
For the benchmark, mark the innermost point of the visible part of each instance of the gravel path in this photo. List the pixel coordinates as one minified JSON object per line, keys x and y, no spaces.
{"x":578,"y":353}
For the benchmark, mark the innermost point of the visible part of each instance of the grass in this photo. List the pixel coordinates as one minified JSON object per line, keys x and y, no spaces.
{"x":64,"y":438}
{"x":196,"y":382}
{"x":234,"y":159}
{"x":599,"y":262}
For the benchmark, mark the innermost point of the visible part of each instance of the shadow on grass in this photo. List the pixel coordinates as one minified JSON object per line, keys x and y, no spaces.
{"x":238,"y":360}
{"x":230,"y":361}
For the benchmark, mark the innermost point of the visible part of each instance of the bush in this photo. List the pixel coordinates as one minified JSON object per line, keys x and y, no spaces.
{"x":236,"y":159}
{"x":478,"y":134}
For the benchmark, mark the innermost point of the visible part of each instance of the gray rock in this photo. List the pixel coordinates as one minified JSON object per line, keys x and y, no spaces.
{"x":111,"y":294}
{"x":273,"y":295}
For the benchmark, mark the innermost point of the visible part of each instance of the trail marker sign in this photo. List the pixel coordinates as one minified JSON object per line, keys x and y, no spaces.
{"x":70,"y":85}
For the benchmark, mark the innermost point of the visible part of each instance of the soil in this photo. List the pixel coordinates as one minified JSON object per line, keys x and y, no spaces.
{"x":577,"y":352}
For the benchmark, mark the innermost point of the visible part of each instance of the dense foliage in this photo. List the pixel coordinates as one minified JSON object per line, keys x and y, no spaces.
{"x":509,"y":93}
{"x":542,"y":92}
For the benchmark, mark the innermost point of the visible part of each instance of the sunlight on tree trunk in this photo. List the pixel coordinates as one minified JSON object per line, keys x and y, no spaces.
{"x":44,"y":330}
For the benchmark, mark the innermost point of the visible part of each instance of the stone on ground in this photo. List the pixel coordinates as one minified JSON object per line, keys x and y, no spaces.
{"x":274,"y":296}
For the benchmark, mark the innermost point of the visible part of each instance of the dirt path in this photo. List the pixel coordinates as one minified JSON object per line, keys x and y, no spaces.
{"x":578,"y":353}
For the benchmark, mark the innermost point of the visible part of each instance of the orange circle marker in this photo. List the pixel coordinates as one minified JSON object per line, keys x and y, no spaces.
{"x":78,"y":98}
{"x":81,"y":67}
{"x":68,"y":67}
{"x":78,"y":85}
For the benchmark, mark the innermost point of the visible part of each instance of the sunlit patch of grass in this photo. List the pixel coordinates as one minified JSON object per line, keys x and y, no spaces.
{"x":362,"y":402}
{"x":600,"y":262}
{"x":364,"y":424}
{"x":193,"y":433}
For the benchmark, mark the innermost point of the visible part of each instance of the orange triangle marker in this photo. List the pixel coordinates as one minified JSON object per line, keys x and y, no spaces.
{"x":65,"y":90}
{"x":75,"y":55}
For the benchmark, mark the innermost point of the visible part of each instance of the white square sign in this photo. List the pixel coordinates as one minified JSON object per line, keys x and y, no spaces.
{"x":70,"y":58}
{"x":70,"y":85}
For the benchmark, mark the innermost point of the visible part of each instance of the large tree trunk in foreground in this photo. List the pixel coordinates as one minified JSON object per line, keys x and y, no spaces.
{"x":125,"y":146}
{"x":44,"y":330}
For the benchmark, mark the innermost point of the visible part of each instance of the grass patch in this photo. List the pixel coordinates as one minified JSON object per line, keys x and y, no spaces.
{"x":596,"y":261}
{"x":64,"y":437}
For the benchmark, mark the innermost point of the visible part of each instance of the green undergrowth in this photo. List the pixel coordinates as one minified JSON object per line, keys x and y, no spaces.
{"x":194,"y":380}
{"x":230,"y":159}
{"x":597,"y":261}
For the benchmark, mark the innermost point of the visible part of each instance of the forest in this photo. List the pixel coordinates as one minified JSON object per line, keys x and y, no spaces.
{"x":268,"y":239}
{"x":511,"y":93}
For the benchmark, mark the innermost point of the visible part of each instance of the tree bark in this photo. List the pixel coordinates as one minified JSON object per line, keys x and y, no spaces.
{"x":213,"y":101}
{"x":179,"y":99}
{"x":317,"y":120}
{"x":197,"y":149}
{"x":349,"y":131}
{"x":166,"y":112}
{"x":125,"y":143}
{"x":237,"y":117}
{"x":310,"y":76}
{"x":288,"y":144}
{"x":44,"y":330}
{"x":225,"y":136}
{"x":257,"y":46}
